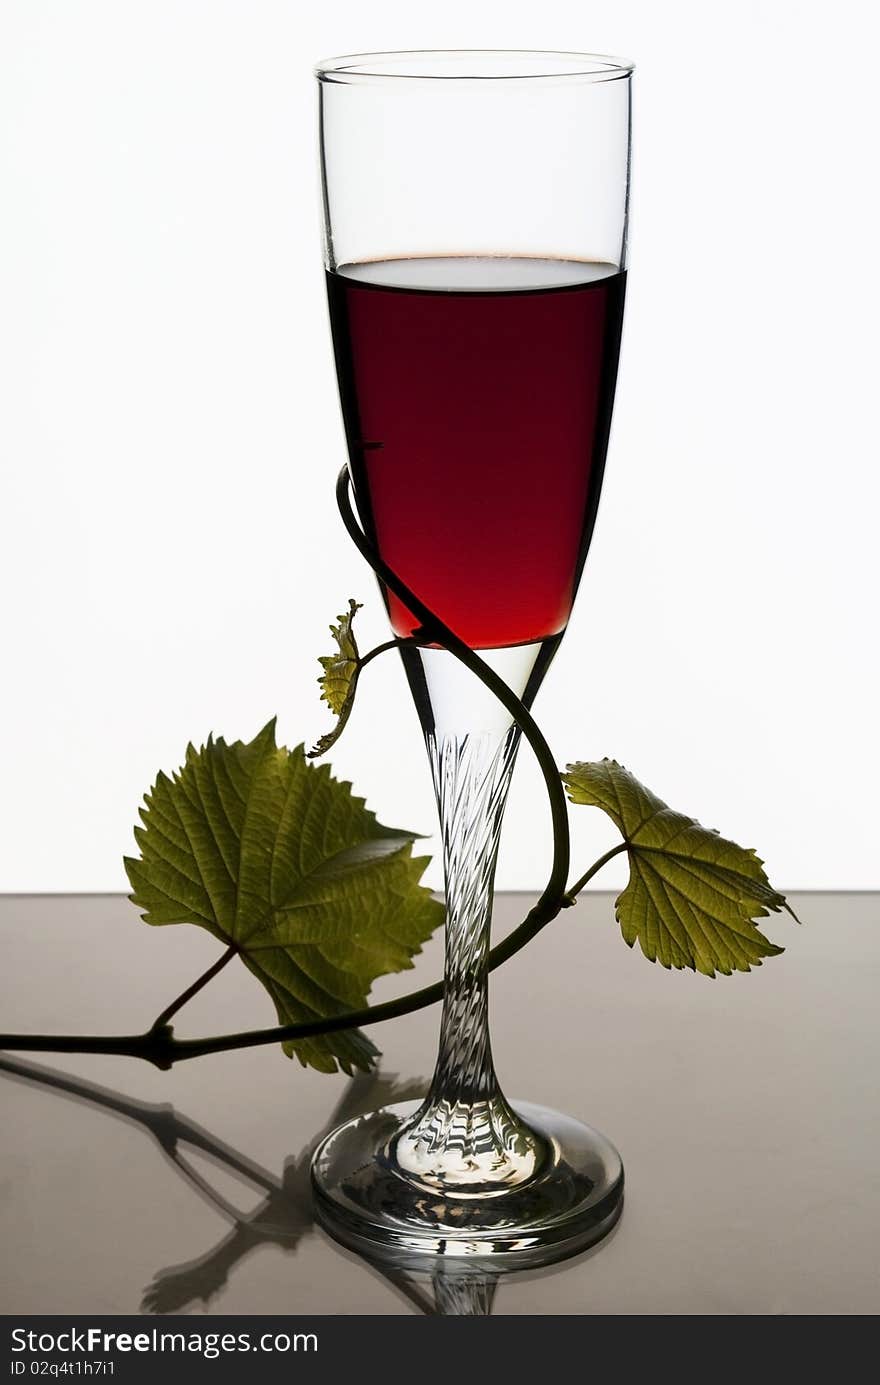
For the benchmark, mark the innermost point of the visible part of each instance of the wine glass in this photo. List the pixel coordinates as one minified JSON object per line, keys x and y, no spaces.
{"x":475,"y":219}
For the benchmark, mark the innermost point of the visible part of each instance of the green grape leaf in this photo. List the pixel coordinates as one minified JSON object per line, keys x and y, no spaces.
{"x":692,"y":895}
{"x":338,"y":682}
{"x":283,"y":862}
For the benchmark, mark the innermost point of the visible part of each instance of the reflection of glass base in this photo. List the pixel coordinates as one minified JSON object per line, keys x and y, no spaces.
{"x":572,"y":1200}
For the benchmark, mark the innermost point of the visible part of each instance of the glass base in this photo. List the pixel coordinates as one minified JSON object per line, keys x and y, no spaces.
{"x":571,"y":1201}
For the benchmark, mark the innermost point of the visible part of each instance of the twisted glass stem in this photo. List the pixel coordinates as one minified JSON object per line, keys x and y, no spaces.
{"x":466,"y":1140}
{"x":471,"y":779}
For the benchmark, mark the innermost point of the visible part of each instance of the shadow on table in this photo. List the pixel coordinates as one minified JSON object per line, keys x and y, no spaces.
{"x":283,"y":1216}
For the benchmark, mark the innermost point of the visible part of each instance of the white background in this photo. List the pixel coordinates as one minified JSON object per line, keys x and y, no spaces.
{"x":169,"y":427}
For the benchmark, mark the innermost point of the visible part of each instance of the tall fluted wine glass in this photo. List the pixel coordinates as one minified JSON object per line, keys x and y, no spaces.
{"x":475,"y":210}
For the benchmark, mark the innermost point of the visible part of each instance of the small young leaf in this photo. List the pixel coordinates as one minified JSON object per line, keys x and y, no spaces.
{"x":692,"y":895}
{"x":339,"y":679}
{"x":279,"y":859}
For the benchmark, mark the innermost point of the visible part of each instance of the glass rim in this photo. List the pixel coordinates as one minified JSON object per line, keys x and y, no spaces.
{"x":413,"y":65}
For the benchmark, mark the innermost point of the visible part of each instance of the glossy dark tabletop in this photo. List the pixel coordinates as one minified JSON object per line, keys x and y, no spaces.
{"x":746,"y":1110}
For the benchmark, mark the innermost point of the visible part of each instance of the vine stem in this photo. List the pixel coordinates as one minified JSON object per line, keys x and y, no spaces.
{"x":158,"y":1045}
{"x":572,"y":894}
{"x":435,"y":631}
{"x":161,"y":1021}
{"x":399,"y":642}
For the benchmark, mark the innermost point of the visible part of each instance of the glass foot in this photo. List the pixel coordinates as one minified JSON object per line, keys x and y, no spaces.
{"x":364,"y":1200}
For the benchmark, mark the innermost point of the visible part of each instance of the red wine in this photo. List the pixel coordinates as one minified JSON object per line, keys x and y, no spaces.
{"x":477,"y":395}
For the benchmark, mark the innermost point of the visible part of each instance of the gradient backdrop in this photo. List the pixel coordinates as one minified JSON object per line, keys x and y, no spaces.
{"x":169,"y":427}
